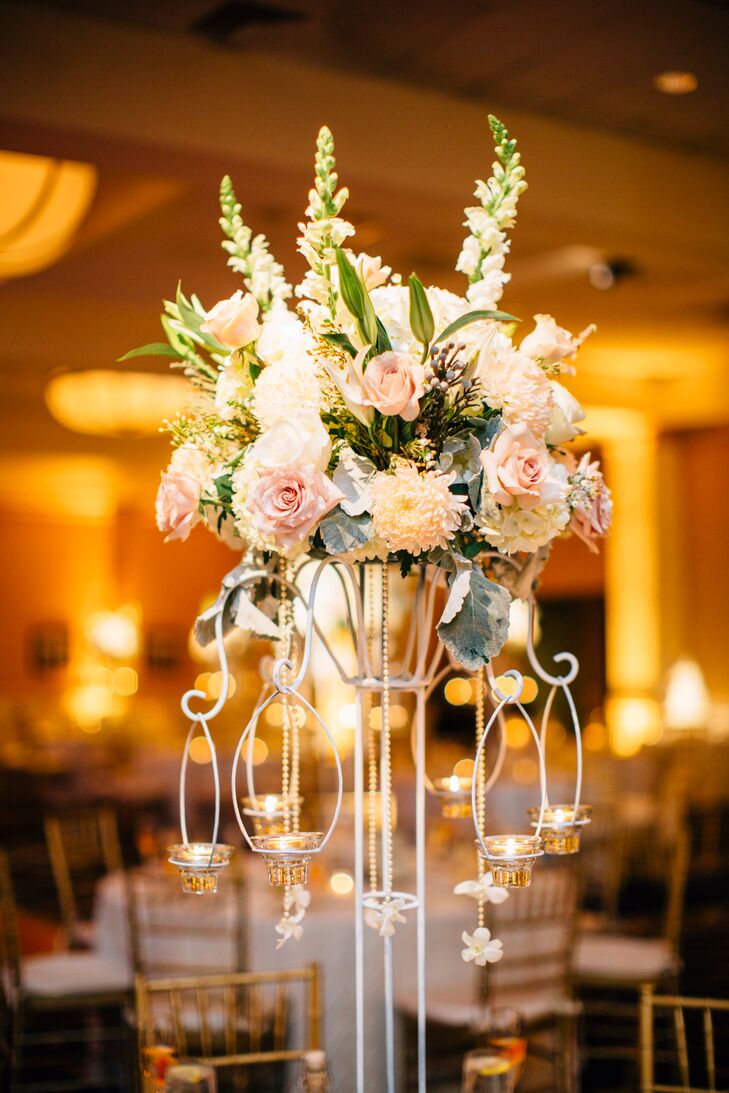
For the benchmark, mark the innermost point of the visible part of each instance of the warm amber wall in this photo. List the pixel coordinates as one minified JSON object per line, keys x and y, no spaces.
{"x":694,"y":536}
{"x":60,"y":568}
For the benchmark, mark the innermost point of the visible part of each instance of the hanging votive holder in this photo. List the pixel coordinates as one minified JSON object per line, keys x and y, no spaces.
{"x":287,"y":855}
{"x":511,"y":857}
{"x":454,"y":793}
{"x":561,"y":826}
{"x":199,"y":865}
{"x":268,"y":812}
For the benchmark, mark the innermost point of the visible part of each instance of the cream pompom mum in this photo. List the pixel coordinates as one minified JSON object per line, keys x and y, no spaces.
{"x":290,"y":384}
{"x":415,"y":512}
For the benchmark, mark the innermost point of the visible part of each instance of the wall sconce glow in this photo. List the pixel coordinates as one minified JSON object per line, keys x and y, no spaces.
{"x":115,"y":633}
{"x":687,"y":704}
{"x":633,"y":720}
{"x":675,"y":82}
{"x":101,"y":402}
{"x":42,"y":203}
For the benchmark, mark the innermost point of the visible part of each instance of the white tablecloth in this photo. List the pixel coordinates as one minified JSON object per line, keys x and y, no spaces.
{"x":329,"y":941}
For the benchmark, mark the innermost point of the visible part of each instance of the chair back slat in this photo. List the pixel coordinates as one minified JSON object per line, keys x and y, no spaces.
{"x":651,"y":1005}
{"x":82,"y":846}
{"x":238,"y":1019}
{"x":9,"y":939}
{"x":170,"y":933}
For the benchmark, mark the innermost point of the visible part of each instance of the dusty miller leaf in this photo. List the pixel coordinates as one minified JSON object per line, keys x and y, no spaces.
{"x":477,"y":630}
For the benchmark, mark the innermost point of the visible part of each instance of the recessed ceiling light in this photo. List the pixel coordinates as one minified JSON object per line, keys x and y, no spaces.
{"x":675,"y":82}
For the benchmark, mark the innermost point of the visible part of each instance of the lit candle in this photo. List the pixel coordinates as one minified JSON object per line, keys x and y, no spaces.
{"x":511,"y":858}
{"x":454,"y":783}
{"x":270,"y":803}
{"x":561,"y":827}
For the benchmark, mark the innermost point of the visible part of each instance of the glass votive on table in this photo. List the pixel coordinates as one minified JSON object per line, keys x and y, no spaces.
{"x":485,"y":1072}
{"x":268,"y":811}
{"x":191,"y":1078}
{"x":199,"y":865}
{"x":511,"y":857}
{"x":454,"y":792}
{"x":561,"y":826}
{"x":287,"y":856}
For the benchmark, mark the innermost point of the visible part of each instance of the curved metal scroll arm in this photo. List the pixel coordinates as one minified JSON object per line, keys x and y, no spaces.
{"x":510,"y":700}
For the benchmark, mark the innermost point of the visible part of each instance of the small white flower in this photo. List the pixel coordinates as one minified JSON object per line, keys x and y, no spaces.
{"x":296,"y":899}
{"x":289,"y":927}
{"x":384,"y":917}
{"x":482,"y":889}
{"x":481,"y":947}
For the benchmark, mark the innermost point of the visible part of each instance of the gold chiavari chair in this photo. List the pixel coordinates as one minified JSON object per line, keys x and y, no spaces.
{"x":171,"y":934}
{"x":610,"y":966}
{"x":235,"y":1021}
{"x":709,"y":1009}
{"x":41,"y":992}
{"x":82,"y":846}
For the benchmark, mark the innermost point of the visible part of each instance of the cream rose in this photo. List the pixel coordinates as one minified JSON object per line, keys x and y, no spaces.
{"x":566,"y":413}
{"x":517,"y":468}
{"x":300,"y":438}
{"x":286,"y":502}
{"x":177,"y":503}
{"x":550,"y":344}
{"x":234,"y":322}
{"x":394,"y":384}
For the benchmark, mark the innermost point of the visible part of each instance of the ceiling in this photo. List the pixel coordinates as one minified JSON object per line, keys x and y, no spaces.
{"x":615,"y":169}
{"x":585,"y":63}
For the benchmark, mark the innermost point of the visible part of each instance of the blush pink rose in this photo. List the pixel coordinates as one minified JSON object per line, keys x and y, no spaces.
{"x":517,"y":468}
{"x":234,"y":322}
{"x":591,"y":501}
{"x":177,"y":503}
{"x":394,"y":384}
{"x":288,"y":501}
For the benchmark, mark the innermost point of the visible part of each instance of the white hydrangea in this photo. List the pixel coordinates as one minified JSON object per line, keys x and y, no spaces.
{"x":515,"y":529}
{"x":243,"y":481}
{"x":232,"y":386}
{"x":293,"y":382}
{"x":511,"y":382}
{"x":283,"y":337}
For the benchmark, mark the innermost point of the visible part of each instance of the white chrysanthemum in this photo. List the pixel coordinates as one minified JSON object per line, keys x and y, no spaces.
{"x":515,"y":529}
{"x":512,"y":383}
{"x":192,"y":461}
{"x":244,"y":479}
{"x":290,"y":384}
{"x":413,"y":511}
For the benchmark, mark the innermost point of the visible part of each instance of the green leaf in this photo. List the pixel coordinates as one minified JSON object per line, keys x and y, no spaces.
{"x":341,"y":341}
{"x":474,"y":317}
{"x":356,"y":298}
{"x":154,"y":349}
{"x":421,"y":317}
{"x":383,"y":343}
{"x":475,"y":623}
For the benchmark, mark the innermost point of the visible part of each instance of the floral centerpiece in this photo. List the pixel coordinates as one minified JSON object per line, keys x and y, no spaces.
{"x":361,"y":417}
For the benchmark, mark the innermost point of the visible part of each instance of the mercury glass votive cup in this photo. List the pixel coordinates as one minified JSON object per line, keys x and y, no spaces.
{"x":511,"y":857}
{"x":561,"y":826}
{"x":199,"y":865}
{"x":287,"y":855}
{"x":268,"y":812}
{"x":454,"y":793}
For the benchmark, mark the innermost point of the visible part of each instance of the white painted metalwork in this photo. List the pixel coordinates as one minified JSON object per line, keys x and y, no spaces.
{"x":424,"y":666}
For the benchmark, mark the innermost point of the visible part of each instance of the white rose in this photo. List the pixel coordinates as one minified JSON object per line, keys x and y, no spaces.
{"x":300,"y":438}
{"x":567,"y":412}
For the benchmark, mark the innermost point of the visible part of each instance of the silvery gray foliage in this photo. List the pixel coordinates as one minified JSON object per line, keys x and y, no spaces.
{"x":343,"y":533}
{"x":352,"y":476}
{"x":475,"y":630}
